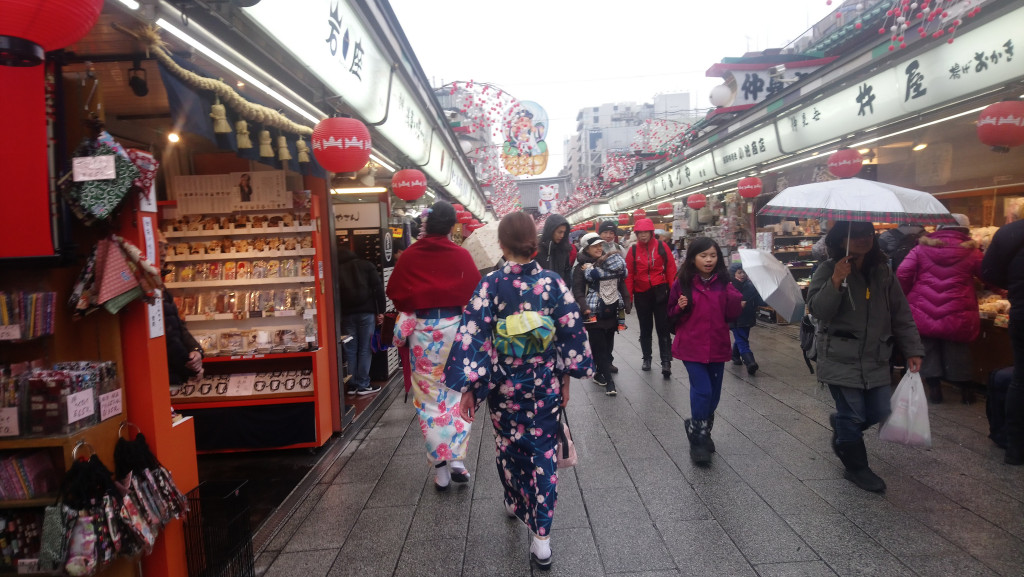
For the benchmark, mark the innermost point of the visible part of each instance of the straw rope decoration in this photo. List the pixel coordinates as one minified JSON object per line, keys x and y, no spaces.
{"x":150,"y":36}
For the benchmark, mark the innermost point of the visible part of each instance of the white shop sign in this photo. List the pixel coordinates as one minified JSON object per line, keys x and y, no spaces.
{"x":745,"y":151}
{"x":356,"y":215}
{"x":328,"y":37}
{"x":981,"y":58}
{"x":407,"y":127}
{"x":753,"y":86}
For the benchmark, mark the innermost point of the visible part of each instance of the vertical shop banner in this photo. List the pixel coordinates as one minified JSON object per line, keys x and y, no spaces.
{"x":155,"y":313}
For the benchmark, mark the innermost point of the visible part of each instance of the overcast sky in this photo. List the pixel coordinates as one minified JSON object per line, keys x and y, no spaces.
{"x":571,"y":54}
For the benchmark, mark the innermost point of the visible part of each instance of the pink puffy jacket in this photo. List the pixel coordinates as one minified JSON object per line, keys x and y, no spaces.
{"x":702,"y":334}
{"x":938,"y":279}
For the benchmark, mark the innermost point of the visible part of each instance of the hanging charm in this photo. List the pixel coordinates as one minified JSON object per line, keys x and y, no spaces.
{"x":242,"y":132}
{"x":220,"y":117}
{"x":282,"y":149}
{"x":303,"y":150}
{"x":265,"y":150}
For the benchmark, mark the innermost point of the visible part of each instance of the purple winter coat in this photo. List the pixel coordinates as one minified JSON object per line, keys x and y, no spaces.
{"x":702,"y":334}
{"x":938,"y":278}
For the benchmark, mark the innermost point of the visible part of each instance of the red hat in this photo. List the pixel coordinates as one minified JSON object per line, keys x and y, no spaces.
{"x":644,"y":225}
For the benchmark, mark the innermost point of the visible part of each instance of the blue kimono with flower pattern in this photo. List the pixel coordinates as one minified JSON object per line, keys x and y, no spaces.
{"x":524,"y":394}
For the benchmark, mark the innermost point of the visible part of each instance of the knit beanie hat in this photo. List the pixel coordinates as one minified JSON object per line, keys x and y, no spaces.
{"x":735,"y":267}
{"x":608,"y":225}
{"x":441,"y":218}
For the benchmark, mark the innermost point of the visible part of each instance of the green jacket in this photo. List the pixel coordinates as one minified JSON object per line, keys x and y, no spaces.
{"x":855,"y":341}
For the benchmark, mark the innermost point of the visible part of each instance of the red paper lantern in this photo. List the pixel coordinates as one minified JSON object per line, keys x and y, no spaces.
{"x":30,"y":28}
{"x":458,"y":207}
{"x":749,"y":187}
{"x":696,"y":201}
{"x":665,"y":208}
{"x":845,"y":162}
{"x":341,"y":144}
{"x":589,"y":224}
{"x":639,"y":213}
{"x":408,"y":184}
{"x":1001,"y":125}
{"x":623,"y":218}
{"x":464,"y":216}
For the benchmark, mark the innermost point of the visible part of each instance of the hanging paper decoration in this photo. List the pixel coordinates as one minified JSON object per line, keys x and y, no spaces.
{"x":220,"y":117}
{"x":525,"y":152}
{"x":750,"y":187}
{"x":660,"y":137}
{"x":464,"y":216}
{"x":845,"y":162}
{"x":265,"y":150}
{"x":242,"y":134}
{"x":410,"y":184}
{"x":1001,"y":125}
{"x":618,"y":166}
{"x":302,"y":149}
{"x":623,"y":218}
{"x":458,"y":207}
{"x":935,"y":18}
{"x":665,"y":208}
{"x":696,"y":201}
{"x":283,"y":153}
{"x":341,"y":144}
{"x":28,"y":29}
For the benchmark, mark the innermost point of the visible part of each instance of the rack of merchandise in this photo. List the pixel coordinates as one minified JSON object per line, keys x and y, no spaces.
{"x":248,"y":283}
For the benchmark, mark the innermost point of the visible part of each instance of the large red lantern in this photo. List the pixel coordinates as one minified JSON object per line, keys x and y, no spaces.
{"x":623,"y":218}
{"x":30,"y":28}
{"x":341,"y":144}
{"x":408,"y":184}
{"x":458,"y":207}
{"x":464,"y":216}
{"x":639,"y":213}
{"x":845,"y":162}
{"x":665,"y":208}
{"x":1001,"y":125}
{"x":749,"y":187}
{"x":696,"y":201}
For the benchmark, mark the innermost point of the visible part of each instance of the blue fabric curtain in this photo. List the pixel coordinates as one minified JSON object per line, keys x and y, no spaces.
{"x":190,"y":110}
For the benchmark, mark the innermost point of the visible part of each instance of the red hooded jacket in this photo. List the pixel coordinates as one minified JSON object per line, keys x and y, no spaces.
{"x":648,"y":266}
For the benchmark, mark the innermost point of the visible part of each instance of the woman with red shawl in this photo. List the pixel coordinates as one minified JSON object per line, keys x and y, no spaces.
{"x":432,"y":281}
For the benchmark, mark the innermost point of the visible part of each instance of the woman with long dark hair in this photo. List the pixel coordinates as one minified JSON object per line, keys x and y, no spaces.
{"x":702,"y":303}
{"x":861,"y":313}
{"x":521,"y":323}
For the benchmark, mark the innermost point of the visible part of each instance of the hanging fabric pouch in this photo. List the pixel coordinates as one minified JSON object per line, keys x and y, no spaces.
{"x":565,"y":449}
{"x":97,"y":198}
{"x":58,"y":521}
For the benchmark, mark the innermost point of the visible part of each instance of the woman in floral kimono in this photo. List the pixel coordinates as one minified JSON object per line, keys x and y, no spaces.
{"x":433,"y":279}
{"x":520,"y":332}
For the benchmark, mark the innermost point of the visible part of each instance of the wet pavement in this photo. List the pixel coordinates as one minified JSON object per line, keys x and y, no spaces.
{"x":773,"y":503}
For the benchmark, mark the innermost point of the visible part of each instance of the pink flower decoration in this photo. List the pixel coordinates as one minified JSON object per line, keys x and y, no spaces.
{"x":438,"y":336}
{"x":538,"y":289}
{"x":459,"y":426}
{"x":444,"y":452}
{"x":417,"y":351}
{"x":408,"y":326}
{"x":443,"y":420}
{"x":442,"y":406}
{"x":423,"y":365}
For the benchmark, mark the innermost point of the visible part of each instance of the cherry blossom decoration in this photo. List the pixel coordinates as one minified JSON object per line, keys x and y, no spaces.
{"x":660,"y":137}
{"x":935,"y":18}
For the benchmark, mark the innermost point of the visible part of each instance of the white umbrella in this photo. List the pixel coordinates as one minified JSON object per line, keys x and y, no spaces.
{"x":774,"y":283}
{"x":858,"y":200}
{"x":483,"y":246}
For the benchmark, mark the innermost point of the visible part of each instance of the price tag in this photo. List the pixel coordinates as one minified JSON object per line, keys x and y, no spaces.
{"x":320,"y":265}
{"x":9,"y":422}
{"x":147,"y":233}
{"x":241,"y":384}
{"x":93,"y":168}
{"x":309,"y":313}
{"x":110,"y":404}
{"x":80,"y":406}
{"x":26,"y":566}
{"x":156,"y":317}
{"x":10,"y":332}
{"x":147,"y":202}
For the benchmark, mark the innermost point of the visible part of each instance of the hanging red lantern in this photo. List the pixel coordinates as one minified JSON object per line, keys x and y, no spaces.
{"x":28,"y":29}
{"x":464,"y":216}
{"x":665,"y":208}
{"x":1001,"y":125}
{"x":408,"y":184}
{"x":341,"y":144}
{"x":749,"y":187}
{"x":589,"y":224}
{"x":458,"y":207}
{"x":845,"y":162}
{"x":696,"y":201}
{"x":623,"y":218}
{"x":639,"y":213}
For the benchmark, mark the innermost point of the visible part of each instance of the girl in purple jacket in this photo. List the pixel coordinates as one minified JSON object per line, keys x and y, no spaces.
{"x":702,"y":303}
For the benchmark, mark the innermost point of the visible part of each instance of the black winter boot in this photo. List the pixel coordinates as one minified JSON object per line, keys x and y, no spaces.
{"x":666,"y":369}
{"x":855,"y":457}
{"x":697,"y":433}
{"x":736,"y":360}
{"x":711,"y":425}
{"x":835,"y":433}
{"x":966,"y":393}
{"x":748,"y":359}
{"x":610,"y":388}
{"x":646,"y":366}
{"x":934,"y":390}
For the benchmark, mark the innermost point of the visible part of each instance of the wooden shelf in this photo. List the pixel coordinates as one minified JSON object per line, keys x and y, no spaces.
{"x":285,"y":313}
{"x":101,"y":430}
{"x":223,"y":401}
{"x":29,"y":503}
{"x":258,"y":356}
{"x":241,"y":282}
{"x":239,"y":231}
{"x":242,"y":255}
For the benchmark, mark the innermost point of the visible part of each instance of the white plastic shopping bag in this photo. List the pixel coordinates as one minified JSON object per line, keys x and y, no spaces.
{"x":908,"y":423}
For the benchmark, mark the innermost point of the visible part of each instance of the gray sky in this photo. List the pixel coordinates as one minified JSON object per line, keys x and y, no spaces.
{"x":571,"y":54}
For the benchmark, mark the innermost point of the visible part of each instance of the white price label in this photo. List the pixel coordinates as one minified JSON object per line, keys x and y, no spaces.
{"x":156,"y":317}
{"x":147,"y":233}
{"x":9,"y":422}
{"x":241,"y":384}
{"x":10,"y":332}
{"x":80,"y":406}
{"x":110,"y":404}
{"x":93,"y":168}
{"x":309,"y":313}
{"x":26,"y":566}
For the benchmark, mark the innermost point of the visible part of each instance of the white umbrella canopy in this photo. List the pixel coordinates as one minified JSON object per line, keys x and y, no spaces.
{"x":860,"y":200}
{"x":483,"y":246}
{"x":774,"y":283}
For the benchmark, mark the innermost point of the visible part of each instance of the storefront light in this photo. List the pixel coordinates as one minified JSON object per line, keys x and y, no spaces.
{"x":131,"y":4}
{"x":163,"y":23}
{"x":359,"y":190}
{"x":173,"y":137}
{"x":381,"y":162}
{"x":920,"y":146}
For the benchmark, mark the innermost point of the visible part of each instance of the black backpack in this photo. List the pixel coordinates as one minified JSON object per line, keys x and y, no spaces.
{"x":906,"y":244}
{"x":808,"y":340}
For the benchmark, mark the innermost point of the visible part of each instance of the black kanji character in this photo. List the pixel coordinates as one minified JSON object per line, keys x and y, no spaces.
{"x":752,"y":86}
{"x":866,"y":99}
{"x":915,"y":82}
{"x":981,"y":59}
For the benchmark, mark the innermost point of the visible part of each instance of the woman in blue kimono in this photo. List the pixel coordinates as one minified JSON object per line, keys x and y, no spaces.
{"x":520,"y":332}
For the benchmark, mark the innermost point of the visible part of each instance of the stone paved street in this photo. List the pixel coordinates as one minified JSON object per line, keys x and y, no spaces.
{"x":773,"y":502}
